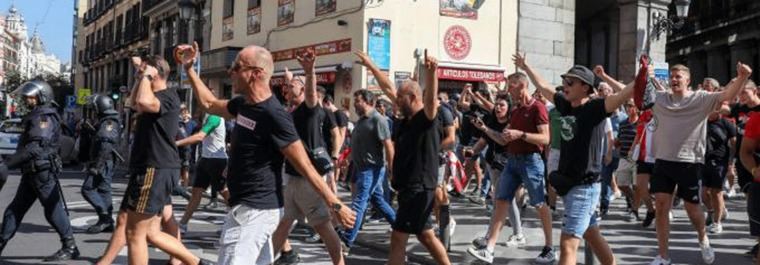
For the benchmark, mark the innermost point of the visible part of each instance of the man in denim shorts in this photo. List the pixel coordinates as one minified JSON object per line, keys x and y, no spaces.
{"x":528,"y":131}
{"x":582,"y":132}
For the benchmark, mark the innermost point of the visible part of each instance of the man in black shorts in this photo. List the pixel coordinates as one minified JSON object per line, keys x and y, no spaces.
{"x":209,"y":168}
{"x":415,"y":168}
{"x":154,"y":164}
{"x":721,"y":137}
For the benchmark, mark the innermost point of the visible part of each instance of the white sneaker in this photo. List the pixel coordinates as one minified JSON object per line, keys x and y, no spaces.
{"x":481,"y":254}
{"x":708,"y":254}
{"x":715,"y":228}
{"x":660,"y":261}
{"x":731,"y":193}
{"x":516,"y":240}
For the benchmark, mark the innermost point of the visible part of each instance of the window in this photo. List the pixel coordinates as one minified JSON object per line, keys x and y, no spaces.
{"x":229,"y":8}
{"x":254,"y":3}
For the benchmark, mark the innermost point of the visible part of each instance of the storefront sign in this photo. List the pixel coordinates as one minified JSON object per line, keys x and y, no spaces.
{"x":325,"y":7}
{"x":460,"y":8}
{"x":325,"y":48}
{"x":285,"y":12}
{"x":254,"y":20}
{"x":322,"y":79}
{"x":470,"y":75}
{"x":228,"y":31}
{"x":379,"y":43}
{"x":457,"y":42}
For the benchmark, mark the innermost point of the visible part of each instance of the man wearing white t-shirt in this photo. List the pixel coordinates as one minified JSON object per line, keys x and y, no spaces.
{"x":678,"y":145}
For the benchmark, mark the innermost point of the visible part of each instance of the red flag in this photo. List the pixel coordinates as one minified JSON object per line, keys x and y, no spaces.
{"x":641,"y":82}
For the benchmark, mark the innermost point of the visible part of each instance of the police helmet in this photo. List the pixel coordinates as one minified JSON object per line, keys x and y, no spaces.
{"x":102,"y":104}
{"x":39,"y":89}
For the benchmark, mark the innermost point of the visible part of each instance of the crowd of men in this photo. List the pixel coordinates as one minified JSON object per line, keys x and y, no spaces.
{"x":276,"y":163}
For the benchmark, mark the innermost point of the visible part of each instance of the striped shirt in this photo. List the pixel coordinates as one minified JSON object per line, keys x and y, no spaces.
{"x":626,"y":135}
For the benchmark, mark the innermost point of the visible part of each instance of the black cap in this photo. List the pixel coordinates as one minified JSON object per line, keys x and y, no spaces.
{"x":582,"y":73}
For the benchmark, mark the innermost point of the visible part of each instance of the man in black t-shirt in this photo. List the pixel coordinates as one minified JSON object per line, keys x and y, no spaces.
{"x":154,"y":164}
{"x":264,"y":135}
{"x":580,"y":116}
{"x":415,"y":165}
{"x":721,"y":137}
{"x":301,"y":199}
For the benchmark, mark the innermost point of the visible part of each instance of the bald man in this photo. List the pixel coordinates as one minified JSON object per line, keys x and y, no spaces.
{"x":415,"y":165}
{"x":263,"y":136}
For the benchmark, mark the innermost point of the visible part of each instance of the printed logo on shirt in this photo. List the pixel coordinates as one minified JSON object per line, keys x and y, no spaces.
{"x":652,"y":125}
{"x":245,"y":122}
{"x":568,"y":127}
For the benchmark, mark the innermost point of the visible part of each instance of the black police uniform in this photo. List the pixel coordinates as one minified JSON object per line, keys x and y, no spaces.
{"x":37,"y":156}
{"x":3,"y":173}
{"x":96,"y":188}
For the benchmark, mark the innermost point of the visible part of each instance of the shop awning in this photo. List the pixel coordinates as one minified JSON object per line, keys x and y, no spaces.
{"x":471,"y":73}
{"x":325,"y":75}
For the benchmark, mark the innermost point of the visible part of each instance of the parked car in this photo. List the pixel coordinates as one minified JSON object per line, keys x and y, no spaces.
{"x":11,"y":129}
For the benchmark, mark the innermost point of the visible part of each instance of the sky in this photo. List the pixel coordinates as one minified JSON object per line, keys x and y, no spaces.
{"x":55,"y":28}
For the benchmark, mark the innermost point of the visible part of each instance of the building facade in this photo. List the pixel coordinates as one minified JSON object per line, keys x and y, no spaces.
{"x":473,"y":45}
{"x":110,"y":30}
{"x":715,"y":36}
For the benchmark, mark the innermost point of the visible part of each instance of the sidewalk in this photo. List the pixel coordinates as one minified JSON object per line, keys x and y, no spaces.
{"x":631,"y":243}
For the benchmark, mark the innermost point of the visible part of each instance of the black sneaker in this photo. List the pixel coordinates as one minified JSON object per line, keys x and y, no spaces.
{"x":100,"y":227}
{"x":67,"y":252}
{"x":547,"y":256}
{"x":648,"y":219}
{"x":290,"y":257}
{"x":753,"y":252}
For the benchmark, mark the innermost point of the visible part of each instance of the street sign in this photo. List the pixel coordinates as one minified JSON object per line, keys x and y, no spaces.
{"x":71,"y":101}
{"x":82,"y":94}
{"x":662,"y":73}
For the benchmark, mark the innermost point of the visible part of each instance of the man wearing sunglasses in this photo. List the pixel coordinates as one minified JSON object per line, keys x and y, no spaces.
{"x":264,"y":135}
{"x":580,"y":174}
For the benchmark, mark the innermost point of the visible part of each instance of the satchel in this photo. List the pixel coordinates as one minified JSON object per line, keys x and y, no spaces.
{"x":499,"y":161}
{"x":321,"y":160}
{"x":561,"y":183}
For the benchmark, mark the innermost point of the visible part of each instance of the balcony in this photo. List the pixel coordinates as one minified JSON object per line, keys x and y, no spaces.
{"x":149,"y":4}
{"x":215,"y":62}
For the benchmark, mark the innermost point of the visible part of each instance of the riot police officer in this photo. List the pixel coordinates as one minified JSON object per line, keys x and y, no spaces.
{"x":37,"y":156}
{"x":96,"y":188}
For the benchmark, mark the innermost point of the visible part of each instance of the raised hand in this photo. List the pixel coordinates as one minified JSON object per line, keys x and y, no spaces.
{"x":431,"y":63}
{"x":185,"y":54}
{"x":520,"y":61}
{"x":136,"y":61}
{"x":288,"y":74}
{"x":363,"y":59}
{"x":743,"y":70}
{"x":307,"y":60}
{"x":599,"y":71}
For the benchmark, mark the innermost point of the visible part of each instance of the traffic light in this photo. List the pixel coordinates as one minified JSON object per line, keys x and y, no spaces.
{"x":115,"y":94}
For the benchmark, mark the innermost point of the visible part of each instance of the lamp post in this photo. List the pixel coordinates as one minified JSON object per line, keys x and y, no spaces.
{"x":187,"y":10}
{"x":662,"y":23}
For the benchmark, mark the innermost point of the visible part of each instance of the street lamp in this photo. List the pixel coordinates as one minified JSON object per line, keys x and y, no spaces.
{"x":662,"y":23}
{"x":187,"y":14}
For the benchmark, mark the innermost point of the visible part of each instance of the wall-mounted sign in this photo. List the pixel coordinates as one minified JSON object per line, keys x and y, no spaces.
{"x":82,"y":94}
{"x":372,"y":83}
{"x":324,"y":48}
{"x":400,"y":77}
{"x":457,"y":42}
{"x":285,"y":12}
{"x":322,"y":79}
{"x":228,"y":26}
{"x":325,"y":7}
{"x":254,"y":20}
{"x":379,"y":42}
{"x":459,"y":8}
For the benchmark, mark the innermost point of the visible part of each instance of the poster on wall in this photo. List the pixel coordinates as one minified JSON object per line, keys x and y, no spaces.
{"x":254,"y":20}
{"x":325,"y":7}
{"x":372,"y":83}
{"x":460,"y":8}
{"x":228,"y":29}
{"x":400,"y":77}
{"x":285,"y":12}
{"x":379,"y":42}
